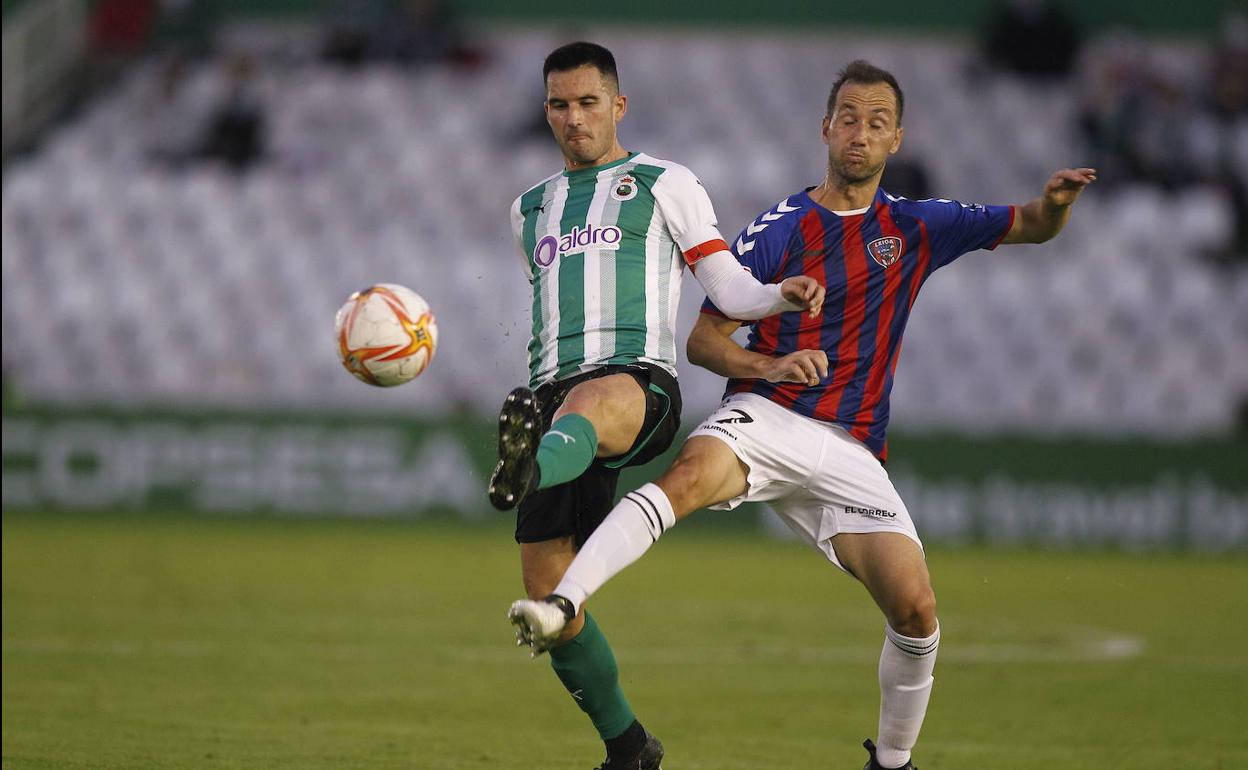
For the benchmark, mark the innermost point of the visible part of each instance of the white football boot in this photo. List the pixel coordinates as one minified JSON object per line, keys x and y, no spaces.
{"x":539,"y":622}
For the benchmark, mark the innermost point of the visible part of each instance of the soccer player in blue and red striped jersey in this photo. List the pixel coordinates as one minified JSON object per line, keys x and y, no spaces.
{"x":802,"y":425}
{"x":872,"y":258}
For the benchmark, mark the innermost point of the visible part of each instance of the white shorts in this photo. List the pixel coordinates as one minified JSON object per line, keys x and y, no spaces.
{"x":819,"y":479}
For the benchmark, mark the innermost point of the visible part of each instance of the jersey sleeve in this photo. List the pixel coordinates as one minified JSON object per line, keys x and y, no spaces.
{"x":517,"y":232}
{"x":761,"y":248}
{"x":689,"y":214}
{"x":959,"y":228}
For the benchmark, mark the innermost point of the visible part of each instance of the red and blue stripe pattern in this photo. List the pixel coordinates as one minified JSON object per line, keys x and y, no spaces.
{"x":872,"y":263}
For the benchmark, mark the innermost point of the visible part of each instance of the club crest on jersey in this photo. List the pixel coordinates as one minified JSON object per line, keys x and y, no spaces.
{"x":580,"y":239}
{"x":625,"y":189}
{"x":887,"y":250}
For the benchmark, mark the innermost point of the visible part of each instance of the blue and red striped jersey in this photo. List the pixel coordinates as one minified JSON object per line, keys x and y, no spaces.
{"x":872,"y":262}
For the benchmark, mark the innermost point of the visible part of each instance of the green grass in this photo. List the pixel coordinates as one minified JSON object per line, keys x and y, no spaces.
{"x":228,"y":643}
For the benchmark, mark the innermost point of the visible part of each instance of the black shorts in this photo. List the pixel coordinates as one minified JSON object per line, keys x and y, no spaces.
{"x":577,"y":507}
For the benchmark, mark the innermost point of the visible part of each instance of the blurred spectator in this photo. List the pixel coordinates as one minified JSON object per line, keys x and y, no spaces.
{"x":1033,"y":38}
{"x":235,"y":132}
{"x":1169,"y":139}
{"x":1237,"y":191}
{"x":1228,"y":103}
{"x":411,"y":32}
{"x":1228,"y":76}
{"x":1145,"y":125}
{"x":1141,"y":124}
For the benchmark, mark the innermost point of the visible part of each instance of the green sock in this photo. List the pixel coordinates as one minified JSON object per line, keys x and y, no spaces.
{"x":587,"y":668}
{"x":566,"y":450}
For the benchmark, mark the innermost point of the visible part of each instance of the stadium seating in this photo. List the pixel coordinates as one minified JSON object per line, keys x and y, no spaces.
{"x":126,"y":280}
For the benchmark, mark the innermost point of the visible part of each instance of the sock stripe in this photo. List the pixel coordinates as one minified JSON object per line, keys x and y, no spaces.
{"x":915,"y":647}
{"x":915,"y":650}
{"x":651,"y":527}
{"x":654,"y":507}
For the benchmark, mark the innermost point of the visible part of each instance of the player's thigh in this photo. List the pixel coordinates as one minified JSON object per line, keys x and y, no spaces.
{"x":705,"y":472}
{"x":775,"y":450}
{"x":615,"y":405}
{"x":892,"y":567}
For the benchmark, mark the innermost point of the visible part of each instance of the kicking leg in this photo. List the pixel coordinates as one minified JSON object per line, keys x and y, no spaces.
{"x":600,"y":417}
{"x":894,"y":571}
{"x":707,"y":471}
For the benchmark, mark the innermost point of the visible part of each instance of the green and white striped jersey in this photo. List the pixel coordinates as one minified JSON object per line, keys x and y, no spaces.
{"x":602,"y":249}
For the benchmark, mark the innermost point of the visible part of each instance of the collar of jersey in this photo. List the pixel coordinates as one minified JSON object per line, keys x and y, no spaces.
{"x":581,"y":172}
{"x":854,"y":213}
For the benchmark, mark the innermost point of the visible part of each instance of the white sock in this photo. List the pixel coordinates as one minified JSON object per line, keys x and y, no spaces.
{"x":905,"y":685}
{"x":628,"y":531}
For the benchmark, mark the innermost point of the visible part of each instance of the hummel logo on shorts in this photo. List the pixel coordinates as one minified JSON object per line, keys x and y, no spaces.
{"x":744,"y":418}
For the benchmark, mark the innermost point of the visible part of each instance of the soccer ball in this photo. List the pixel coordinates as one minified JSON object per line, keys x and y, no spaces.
{"x":386,"y":334}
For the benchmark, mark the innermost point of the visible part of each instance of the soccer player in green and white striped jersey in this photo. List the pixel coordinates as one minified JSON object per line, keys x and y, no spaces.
{"x":604,"y":244}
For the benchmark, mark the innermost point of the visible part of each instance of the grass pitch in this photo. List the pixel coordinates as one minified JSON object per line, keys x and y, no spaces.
{"x":228,"y":643}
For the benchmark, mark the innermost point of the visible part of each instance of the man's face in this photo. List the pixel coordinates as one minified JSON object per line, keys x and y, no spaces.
{"x":582,"y":108}
{"x":862,"y":131}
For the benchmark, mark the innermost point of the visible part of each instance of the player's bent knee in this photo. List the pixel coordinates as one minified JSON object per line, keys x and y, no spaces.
{"x":680,"y":483}
{"x":694,"y":480}
{"x":914,"y":613}
{"x":582,"y":399}
{"x":615,"y":406}
{"x":704,"y":473}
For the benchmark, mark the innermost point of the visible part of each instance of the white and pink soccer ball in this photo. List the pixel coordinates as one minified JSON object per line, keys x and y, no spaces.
{"x":386,"y":334}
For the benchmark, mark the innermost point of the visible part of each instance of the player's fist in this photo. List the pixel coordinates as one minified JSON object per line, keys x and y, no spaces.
{"x":1065,"y":185}
{"x":805,"y":292}
{"x":805,"y":366}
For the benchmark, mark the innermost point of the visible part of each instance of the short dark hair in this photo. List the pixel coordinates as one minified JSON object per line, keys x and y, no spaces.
{"x":864,"y":72}
{"x":581,"y":54}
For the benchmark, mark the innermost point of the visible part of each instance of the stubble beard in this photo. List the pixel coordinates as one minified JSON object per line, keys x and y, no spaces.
{"x":584,"y":154}
{"x":847,"y":175}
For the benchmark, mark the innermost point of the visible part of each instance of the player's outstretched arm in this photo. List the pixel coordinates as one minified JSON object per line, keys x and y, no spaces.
{"x":735,"y":291}
{"x":712,"y":347}
{"x":1044,"y":217}
{"x":739,"y":294}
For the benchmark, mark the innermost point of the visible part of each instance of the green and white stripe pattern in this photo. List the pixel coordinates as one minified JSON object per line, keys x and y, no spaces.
{"x":608,"y":293}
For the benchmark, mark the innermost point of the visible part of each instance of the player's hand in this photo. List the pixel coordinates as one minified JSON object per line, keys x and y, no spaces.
{"x":1065,"y":185}
{"x":804,"y":291}
{"x":805,"y":366}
